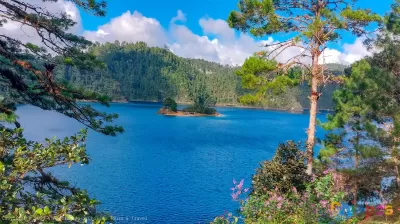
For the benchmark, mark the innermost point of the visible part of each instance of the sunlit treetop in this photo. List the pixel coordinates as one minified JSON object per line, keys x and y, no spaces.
{"x":314,"y":22}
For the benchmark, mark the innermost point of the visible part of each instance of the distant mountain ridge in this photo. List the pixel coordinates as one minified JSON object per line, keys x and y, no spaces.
{"x":136,"y":72}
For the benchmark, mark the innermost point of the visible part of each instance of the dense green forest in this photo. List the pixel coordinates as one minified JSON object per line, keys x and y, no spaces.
{"x":136,"y":72}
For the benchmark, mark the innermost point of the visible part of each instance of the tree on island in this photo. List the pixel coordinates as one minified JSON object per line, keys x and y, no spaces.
{"x":170,"y":104}
{"x":202,"y":98}
{"x":314,"y":24}
{"x":29,"y":193}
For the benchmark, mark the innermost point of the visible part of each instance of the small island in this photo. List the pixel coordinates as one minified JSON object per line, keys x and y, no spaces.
{"x":199,"y":108}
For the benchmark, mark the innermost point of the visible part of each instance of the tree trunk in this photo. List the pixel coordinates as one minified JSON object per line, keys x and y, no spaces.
{"x":313,"y":114}
{"x":357,"y":162}
{"x":396,"y":165}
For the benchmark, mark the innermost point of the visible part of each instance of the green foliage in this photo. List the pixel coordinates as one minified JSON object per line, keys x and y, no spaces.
{"x":27,"y":70}
{"x":136,"y":72}
{"x":392,"y":20}
{"x":170,"y":104}
{"x":258,"y":73}
{"x":310,"y":206}
{"x":285,"y":171}
{"x":348,"y":100}
{"x":364,"y":126}
{"x":313,"y":24}
{"x":200,"y":109}
{"x":23,"y":163}
{"x":29,"y":193}
{"x":292,"y":207}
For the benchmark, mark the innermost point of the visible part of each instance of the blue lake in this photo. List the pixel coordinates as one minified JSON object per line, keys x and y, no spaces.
{"x":170,"y":169}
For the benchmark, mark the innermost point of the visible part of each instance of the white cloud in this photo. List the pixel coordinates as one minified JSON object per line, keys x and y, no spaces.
{"x":217,"y":27}
{"x":354,"y":52}
{"x":179,"y":17}
{"x":101,"y":33}
{"x":130,"y":27}
{"x":351,"y":53}
{"x":218,"y":42}
{"x":28,"y":34}
{"x":330,"y":56}
{"x":224,"y":47}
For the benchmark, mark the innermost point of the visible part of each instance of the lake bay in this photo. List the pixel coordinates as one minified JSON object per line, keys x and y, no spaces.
{"x":169,"y":169}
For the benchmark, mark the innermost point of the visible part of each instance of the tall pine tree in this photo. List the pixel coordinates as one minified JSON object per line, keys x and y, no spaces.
{"x":314,"y":24}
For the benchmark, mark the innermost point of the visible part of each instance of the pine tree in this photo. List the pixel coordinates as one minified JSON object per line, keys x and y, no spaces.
{"x":314,"y":24}
{"x":28,"y":192}
{"x":350,"y":145}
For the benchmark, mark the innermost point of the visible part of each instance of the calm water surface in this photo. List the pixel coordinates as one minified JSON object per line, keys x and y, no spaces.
{"x":170,"y":169}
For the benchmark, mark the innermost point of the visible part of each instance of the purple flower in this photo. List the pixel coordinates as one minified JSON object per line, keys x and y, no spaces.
{"x":246,"y":190}
{"x":232,"y":189}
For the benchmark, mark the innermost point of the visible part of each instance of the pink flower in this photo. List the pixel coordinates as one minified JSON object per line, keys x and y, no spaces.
{"x":234,"y":196}
{"x":294,"y":190}
{"x":326,"y":172}
{"x":240,"y":184}
{"x":232,"y":189}
{"x":279,"y":199}
{"x":323,"y":203}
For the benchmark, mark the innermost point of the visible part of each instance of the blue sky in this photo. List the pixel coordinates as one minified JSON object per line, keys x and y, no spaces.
{"x":163,"y":10}
{"x":191,"y":29}
{"x":196,"y":29}
{"x":199,"y":20}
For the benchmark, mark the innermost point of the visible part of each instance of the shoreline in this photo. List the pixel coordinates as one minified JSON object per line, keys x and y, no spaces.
{"x":217,"y":105}
{"x":180,"y":113}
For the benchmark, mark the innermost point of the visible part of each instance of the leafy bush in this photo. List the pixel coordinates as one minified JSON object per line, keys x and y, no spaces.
{"x":29,"y":193}
{"x":201,"y":110}
{"x":310,"y":206}
{"x":285,"y":171}
{"x":291,"y":207}
{"x":170,"y":104}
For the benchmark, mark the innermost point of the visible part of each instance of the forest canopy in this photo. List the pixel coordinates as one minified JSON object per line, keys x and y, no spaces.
{"x":136,"y":72}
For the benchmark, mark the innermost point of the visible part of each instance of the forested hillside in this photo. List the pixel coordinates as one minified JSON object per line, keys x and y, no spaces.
{"x":136,"y":72}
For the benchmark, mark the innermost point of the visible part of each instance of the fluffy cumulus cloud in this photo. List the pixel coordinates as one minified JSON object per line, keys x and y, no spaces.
{"x":225,"y":47}
{"x":355,"y":51}
{"x":130,"y":27}
{"x":217,"y":42}
{"x":28,"y":34}
{"x":351,"y":52}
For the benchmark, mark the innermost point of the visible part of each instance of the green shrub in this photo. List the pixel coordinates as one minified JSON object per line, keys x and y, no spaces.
{"x":201,"y":110}
{"x":310,"y":206}
{"x":285,"y":171}
{"x":170,"y":104}
{"x":291,"y":207}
